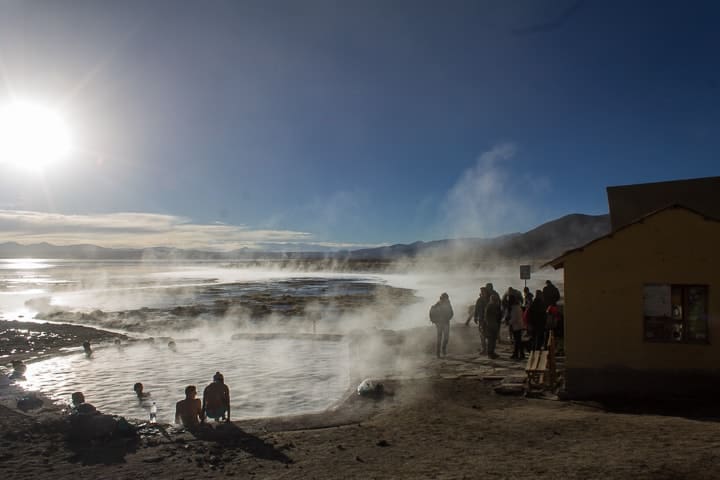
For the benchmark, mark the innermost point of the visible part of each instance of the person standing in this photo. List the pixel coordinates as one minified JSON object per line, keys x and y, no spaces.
{"x":516,"y":326}
{"x":216,"y":399}
{"x":527,"y":298}
{"x":493,"y":315}
{"x":536,"y":321}
{"x":440,"y":315}
{"x":551,"y":294}
{"x":479,"y":318}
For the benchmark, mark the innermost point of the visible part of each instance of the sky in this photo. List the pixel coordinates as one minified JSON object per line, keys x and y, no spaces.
{"x":311,"y":124}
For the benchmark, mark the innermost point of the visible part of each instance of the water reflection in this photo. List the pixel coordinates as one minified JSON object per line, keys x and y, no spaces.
{"x":266,"y":377}
{"x":24,"y":264}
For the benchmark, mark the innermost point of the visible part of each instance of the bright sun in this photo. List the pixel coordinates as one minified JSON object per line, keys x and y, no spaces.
{"x":32,"y":136}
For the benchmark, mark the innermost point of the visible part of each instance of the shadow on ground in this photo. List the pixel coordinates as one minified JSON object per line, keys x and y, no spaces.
{"x":229,"y":435}
{"x":108,"y":452}
{"x":690,"y":408}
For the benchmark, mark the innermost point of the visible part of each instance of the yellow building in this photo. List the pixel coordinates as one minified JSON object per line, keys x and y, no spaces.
{"x":642,"y":307}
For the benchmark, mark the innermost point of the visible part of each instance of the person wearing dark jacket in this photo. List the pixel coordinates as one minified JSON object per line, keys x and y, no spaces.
{"x":551,"y":294}
{"x":493,"y":315}
{"x":440,"y":315}
{"x":527,"y":298}
{"x":479,"y":318}
{"x":536,"y":321}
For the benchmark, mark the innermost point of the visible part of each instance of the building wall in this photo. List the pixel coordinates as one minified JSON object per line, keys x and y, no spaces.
{"x":605,"y":349}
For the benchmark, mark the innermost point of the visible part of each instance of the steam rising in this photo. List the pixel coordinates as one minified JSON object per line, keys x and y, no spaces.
{"x":490,"y":196}
{"x":386,"y":335}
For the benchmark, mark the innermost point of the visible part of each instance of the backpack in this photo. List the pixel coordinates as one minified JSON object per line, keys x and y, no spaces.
{"x":434,"y":313}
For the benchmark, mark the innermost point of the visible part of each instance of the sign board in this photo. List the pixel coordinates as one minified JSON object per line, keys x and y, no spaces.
{"x":524,"y":272}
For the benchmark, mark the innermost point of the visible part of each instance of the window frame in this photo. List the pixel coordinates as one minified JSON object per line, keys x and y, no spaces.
{"x":684,"y":320}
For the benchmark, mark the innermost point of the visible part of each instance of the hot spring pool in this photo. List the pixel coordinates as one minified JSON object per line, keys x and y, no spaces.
{"x":266,"y":377}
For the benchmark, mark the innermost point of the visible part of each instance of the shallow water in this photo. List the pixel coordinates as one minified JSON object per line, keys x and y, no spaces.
{"x":266,"y":377}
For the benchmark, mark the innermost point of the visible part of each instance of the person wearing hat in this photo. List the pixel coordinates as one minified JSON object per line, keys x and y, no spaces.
{"x":440,"y":315}
{"x":216,"y":399}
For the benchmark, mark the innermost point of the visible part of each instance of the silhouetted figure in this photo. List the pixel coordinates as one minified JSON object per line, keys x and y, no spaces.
{"x":172,"y":346}
{"x":537,"y":318}
{"x":479,"y":317}
{"x":516,"y":326}
{"x":139,"y":388}
{"x":87,"y":348}
{"x":19,"y":369}
{"x":79,"y":406}
{"x":87,"y":423}
{"x":216,"y":399}
{"x":493,"y":315}
{"x":527,"y":298}
{"x":551,"y":294}
{"x":440,"y":315}
{"x":491,"y":292}
{"x":514,"y":296}
{"x":189,"y":412}
{"x":556,"y":325}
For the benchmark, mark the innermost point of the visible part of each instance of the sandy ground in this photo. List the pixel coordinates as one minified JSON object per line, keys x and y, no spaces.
{"x":440,"y":419}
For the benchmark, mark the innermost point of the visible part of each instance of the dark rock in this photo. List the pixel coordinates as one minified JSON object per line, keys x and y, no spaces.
{"x":31,"y":402}
{"x":153,"y":459}
{"x":512,"y":389}
{"x":382,"y":443}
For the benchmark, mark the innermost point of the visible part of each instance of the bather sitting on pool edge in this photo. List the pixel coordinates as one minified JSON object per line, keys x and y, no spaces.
{"x":189,"y":412}
{"x":216,"y":399}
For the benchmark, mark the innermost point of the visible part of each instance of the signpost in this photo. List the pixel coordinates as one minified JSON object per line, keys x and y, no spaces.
{"x":525,"y":273}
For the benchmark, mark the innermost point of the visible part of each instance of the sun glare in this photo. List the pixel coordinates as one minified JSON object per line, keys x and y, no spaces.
{"x":32,"y":136}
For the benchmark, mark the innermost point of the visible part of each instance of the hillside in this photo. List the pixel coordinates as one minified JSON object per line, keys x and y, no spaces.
{"x":542,"y":243}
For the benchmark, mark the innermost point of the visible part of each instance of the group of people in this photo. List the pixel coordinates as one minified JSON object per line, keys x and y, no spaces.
{"x":189,"y":412}
{"x":522,"y":312}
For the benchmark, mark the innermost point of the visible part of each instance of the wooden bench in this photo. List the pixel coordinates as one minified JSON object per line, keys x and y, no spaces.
{"x":541,"y":366}
{"x":537,"y":367}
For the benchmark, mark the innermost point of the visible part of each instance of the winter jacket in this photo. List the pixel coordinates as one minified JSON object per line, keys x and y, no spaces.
{"x":441,"y":312}
{"x":516,"y":322}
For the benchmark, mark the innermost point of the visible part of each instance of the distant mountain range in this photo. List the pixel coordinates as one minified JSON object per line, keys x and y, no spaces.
{"x":542,"y":243}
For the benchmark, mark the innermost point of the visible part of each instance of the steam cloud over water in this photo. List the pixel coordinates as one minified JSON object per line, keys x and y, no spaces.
{"x":201,"y":306}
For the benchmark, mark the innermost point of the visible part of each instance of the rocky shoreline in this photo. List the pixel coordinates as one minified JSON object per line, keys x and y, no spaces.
{"x":288,"y":305}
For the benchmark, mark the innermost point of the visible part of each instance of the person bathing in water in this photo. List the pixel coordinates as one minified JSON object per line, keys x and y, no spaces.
{"x":216,"y":399}
{"x":138,"y":388}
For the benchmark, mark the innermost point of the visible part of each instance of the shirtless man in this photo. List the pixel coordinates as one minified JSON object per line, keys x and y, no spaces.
{"x":216,"y":399}
{"x":189,"y":411}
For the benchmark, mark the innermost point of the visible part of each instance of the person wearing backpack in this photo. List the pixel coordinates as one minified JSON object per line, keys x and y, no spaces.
{"x":440,"y":315}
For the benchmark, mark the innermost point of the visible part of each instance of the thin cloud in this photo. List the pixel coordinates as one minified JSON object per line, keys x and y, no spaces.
{"x":138,"y":230}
